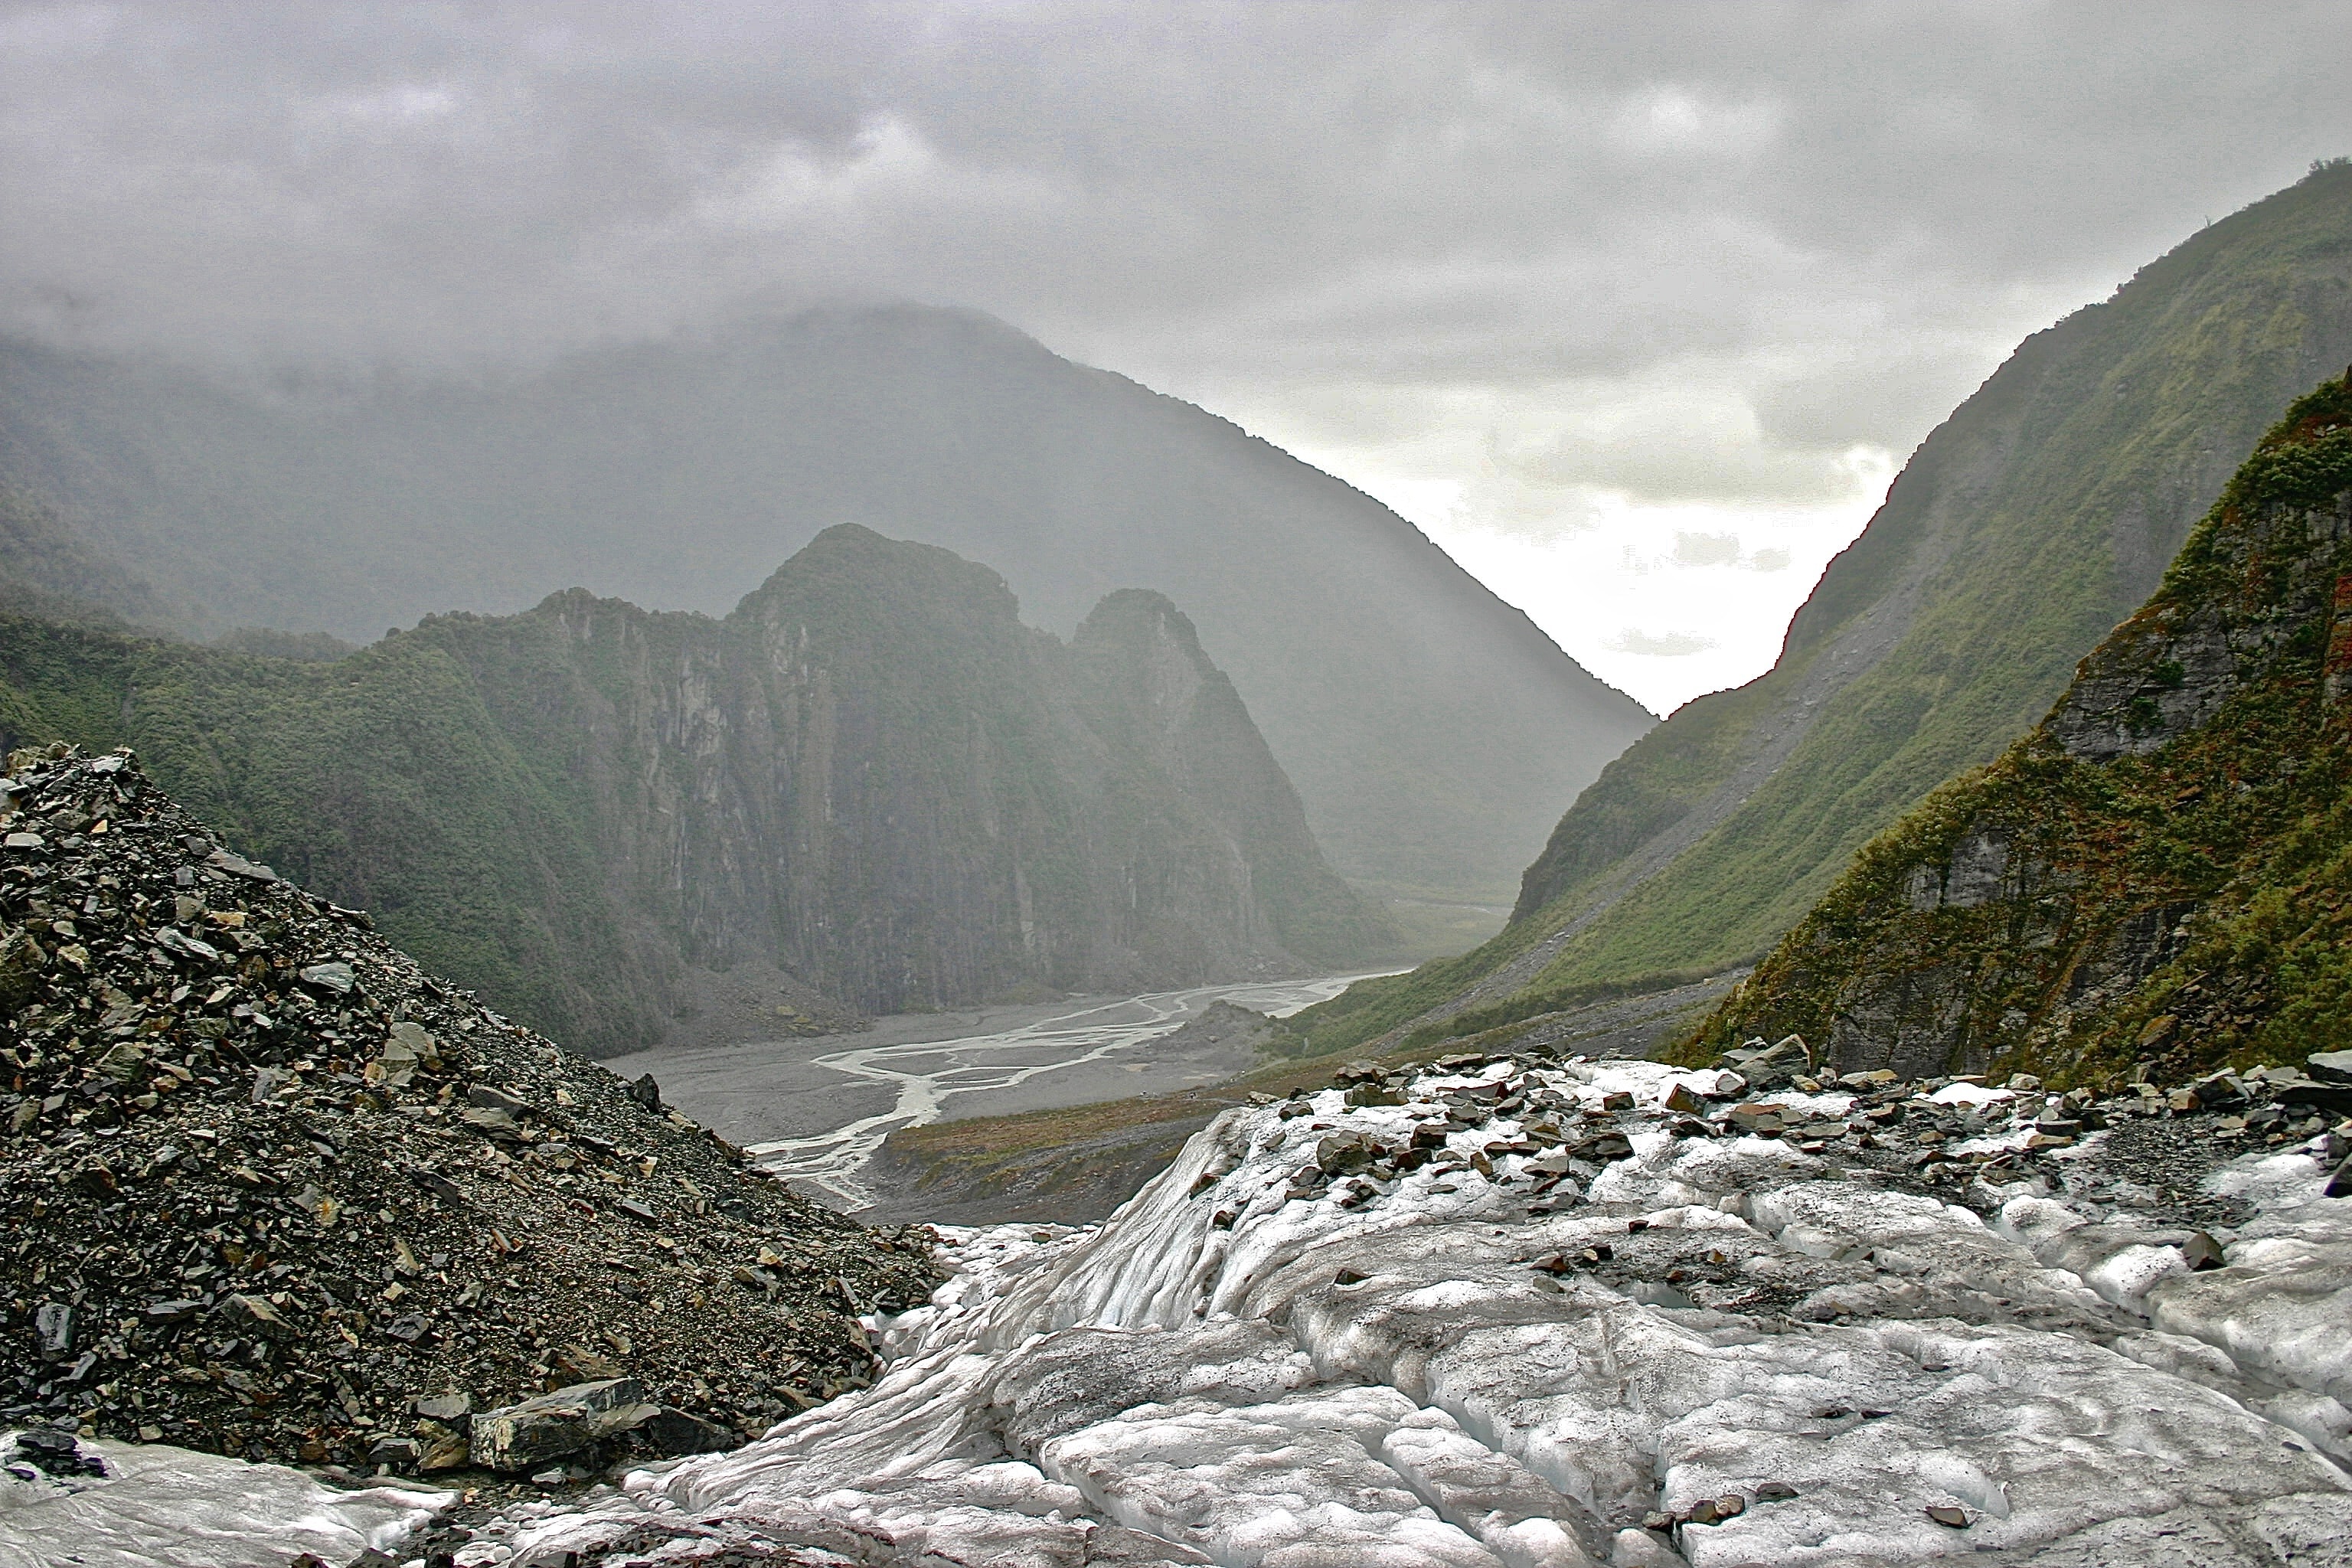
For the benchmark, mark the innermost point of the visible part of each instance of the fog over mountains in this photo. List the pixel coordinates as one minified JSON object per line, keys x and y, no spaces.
{"x":1433,"y":732}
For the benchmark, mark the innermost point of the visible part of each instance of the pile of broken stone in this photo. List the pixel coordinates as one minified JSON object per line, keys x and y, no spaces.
{"x":1948,"y":1134}
{"x":267,"y":1189}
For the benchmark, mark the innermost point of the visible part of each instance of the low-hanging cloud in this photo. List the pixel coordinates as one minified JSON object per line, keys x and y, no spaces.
{"x":1725,"y":549}
{"x":1830,"y":220}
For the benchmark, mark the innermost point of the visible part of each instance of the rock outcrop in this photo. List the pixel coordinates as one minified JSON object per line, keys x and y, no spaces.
{"x":871,"y":780}
{"x":2161,"y":869}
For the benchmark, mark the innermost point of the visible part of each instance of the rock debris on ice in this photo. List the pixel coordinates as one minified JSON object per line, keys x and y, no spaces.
{"x":1534,"y":1314}
{"x":1468,"y":1329}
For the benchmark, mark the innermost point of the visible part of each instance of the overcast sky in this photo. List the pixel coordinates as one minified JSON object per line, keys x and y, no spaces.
{"x":1634,"y":309}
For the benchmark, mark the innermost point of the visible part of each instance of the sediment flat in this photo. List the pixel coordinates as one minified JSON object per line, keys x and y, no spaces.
{"x":816,"y":1107}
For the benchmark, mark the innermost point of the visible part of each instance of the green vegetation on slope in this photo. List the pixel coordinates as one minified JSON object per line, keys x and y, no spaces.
{"x":2022,"y":530}
{"x":871,"y":776}
{"x":46,"y":570}
{"x":2161,"y":869}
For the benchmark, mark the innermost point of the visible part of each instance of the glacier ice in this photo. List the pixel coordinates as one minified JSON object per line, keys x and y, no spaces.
{"x":1371,"y":1336}
{"x":161,"y":1507}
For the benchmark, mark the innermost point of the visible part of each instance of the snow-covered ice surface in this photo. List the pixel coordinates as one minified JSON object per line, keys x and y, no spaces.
{"x":1558,"y":1331}
{"x":159,"y":1507}
{"x":1236,"y":1369}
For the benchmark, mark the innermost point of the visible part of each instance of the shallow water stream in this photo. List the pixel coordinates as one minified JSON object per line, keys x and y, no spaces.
{"x":1070,"y":1056}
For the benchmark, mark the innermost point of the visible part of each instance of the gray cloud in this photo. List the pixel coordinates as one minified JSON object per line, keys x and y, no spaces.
{"x":1674,"y":450}
{"x":1665,"y":645}
{"x":1830,"y":219}
{"x":1724,"y":549}
{"x":1706,"y":549}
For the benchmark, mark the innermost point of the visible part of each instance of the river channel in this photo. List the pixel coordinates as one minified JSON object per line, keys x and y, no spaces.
{"x":815,"y":1110}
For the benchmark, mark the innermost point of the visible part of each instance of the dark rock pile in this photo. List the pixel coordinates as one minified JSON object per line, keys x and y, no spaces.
{"x":2162,"y":1140}
{"x":269,"y":1189}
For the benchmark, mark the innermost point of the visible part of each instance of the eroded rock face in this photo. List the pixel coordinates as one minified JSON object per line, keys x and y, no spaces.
{"x":1853,"y":1338}
{"x":1976,"y":872}
{"x":2121,"y":708}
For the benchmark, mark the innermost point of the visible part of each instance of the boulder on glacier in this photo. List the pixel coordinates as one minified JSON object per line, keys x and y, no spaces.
{"x":520,"y":1437}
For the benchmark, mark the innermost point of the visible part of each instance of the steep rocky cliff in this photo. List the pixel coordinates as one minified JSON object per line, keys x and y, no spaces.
{"x":2026,"y":525}
{"x":869,"y":783}
{"x":2160,"y":871}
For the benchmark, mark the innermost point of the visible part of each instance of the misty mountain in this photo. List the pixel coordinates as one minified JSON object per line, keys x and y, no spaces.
{"x":869,"y":784}
{"x":1434,"y":732}
{"x":2031,"y":521}
{"x":47,"y":570}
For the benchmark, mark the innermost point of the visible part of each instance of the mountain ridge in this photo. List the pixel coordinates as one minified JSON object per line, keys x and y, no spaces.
{"x":1433,"y":731}
{"x":2006,"y":549}
{"x":870,"y":784}
{"x":2160,"y":866}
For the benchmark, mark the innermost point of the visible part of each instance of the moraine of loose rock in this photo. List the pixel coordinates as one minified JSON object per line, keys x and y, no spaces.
{"x":269,"y":1191}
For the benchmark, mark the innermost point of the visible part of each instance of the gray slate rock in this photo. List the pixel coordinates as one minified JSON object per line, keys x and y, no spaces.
{"x":520,"y":1437}
{"x":238,"y":866}
{"x":673,"y":1433}
{"x":2330,"y":1067}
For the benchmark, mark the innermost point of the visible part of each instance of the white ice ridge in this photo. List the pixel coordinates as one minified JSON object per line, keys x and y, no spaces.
{"x":1237,"y":1370}
{"x":1725,"y":1350}
{"x":159,"y":1507}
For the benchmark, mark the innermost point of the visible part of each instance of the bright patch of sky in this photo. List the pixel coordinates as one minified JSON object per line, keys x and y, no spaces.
{"x":1665,"y":602}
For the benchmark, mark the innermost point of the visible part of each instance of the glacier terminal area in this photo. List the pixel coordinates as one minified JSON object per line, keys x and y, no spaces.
{"x":1528,"y":1314}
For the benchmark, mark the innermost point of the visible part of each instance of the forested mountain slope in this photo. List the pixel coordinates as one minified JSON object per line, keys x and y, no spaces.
{"x":46,"y":571}
{"x":870,"y":781}
{"x":2162,"y":868}
{"x":1433,"y":733}
{"x":2031,"y":521}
